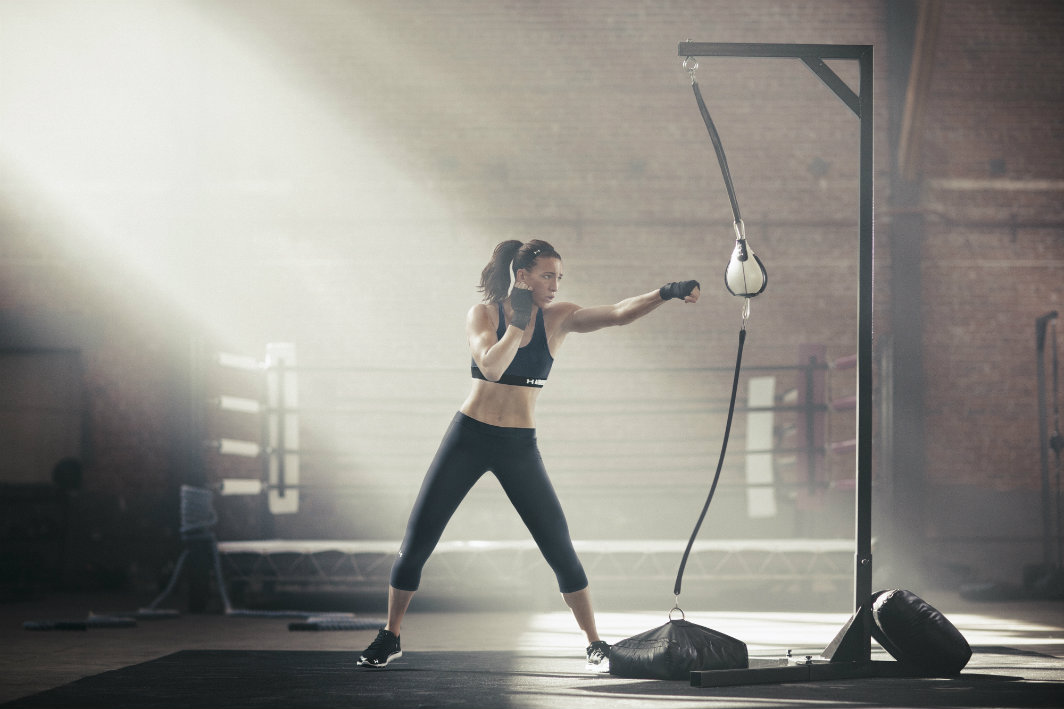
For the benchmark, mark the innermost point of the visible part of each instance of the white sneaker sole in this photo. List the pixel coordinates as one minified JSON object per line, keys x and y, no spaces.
{"x":601,"y":668}
{"x":362,"y":662}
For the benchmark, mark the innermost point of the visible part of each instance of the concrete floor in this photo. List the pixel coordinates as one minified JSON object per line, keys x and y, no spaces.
{"x":1023,"y":640}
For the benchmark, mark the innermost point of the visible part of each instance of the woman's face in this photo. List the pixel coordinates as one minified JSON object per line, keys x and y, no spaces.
{"x":544,"y":278}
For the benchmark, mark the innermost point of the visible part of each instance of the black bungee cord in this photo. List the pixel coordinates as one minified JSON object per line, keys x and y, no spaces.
{"x":745,"y":277}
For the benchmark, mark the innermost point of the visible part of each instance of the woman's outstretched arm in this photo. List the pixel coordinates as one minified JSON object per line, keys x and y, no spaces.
{"x":630,"y":309}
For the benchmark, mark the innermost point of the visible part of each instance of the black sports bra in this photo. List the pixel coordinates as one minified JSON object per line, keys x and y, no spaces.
{"x":531,"y":364}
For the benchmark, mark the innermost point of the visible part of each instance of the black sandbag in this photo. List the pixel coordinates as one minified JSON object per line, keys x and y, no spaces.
{"x":915,"y":633}
{"x":674,"y":650}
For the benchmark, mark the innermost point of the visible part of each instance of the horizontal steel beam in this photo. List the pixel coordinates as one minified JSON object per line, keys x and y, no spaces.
{"x":797,"y":51}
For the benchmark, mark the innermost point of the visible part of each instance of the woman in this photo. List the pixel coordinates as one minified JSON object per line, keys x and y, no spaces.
{"x":513,"y":337}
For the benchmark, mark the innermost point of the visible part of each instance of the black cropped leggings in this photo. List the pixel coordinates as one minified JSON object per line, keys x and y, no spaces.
{"x":470,"y":449}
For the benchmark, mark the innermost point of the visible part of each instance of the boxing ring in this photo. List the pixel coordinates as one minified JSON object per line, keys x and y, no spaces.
{"x":796,"y":420}
{"x":289,"y":565}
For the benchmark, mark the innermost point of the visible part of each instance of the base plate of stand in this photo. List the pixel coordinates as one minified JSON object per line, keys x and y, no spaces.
{"x":782,"y":672}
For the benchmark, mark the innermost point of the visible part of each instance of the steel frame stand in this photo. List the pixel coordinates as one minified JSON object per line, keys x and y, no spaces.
{"x":849,"y":654}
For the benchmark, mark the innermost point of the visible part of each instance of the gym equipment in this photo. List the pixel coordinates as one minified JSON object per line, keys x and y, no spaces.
{"x":742,"y":277}
{"x":278,"y":447}
{"x":674,"y":650}
{"x":849,"y":654}
{"x":1048,"y":581}
{"x":678,"y":647}
{"x":918,"y":635}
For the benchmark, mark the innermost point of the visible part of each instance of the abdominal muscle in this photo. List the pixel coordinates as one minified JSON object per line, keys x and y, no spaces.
{"x":501,"y":404}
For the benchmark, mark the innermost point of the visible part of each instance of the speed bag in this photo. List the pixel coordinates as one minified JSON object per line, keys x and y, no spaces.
{"x":916,"y":634}
{"x":674,"y":650}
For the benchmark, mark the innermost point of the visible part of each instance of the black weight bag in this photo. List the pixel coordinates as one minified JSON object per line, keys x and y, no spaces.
{"x":675,"y":650}
{"x":918,"y":635}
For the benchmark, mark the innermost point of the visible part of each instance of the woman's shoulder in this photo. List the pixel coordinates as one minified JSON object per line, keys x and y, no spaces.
{"x":484,"y":311}
{"x":562,"y":306}
{"x":557,"y":313}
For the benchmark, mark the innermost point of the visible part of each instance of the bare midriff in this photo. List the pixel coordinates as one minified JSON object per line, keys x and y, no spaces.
{"x":501,"y":404}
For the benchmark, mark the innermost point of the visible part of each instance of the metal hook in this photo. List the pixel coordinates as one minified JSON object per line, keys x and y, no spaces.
{"x":740,"y":230}
{"x":690,"y":65}
{"x":676,"y":607}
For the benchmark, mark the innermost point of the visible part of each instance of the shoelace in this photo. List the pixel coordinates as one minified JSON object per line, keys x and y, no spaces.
{"x":382,"y":640}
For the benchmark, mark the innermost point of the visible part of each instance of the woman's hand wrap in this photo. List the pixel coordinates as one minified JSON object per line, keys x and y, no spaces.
{"x":521,"y":302}
{"x":679,"y":289}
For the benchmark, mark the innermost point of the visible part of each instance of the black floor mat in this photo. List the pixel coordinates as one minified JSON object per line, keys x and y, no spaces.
{"x":294,"y":680}
{"x":233,"y":679}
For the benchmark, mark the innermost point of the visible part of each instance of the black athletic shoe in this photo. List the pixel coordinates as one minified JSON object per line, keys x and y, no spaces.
{"x":381,"y":651}
{"x":598,"y":657}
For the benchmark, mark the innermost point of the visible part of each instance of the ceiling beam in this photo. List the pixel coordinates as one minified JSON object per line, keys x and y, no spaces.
{"x":920,"y":71}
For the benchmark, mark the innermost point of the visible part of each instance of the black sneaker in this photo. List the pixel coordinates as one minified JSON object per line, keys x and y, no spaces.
{"x":598,"y":657}
{"x":381,"y":651}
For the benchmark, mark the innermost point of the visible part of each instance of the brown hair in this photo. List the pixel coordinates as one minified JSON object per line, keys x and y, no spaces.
{"x":509,"y":257}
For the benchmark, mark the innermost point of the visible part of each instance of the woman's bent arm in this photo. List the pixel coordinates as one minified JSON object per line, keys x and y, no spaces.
{"x":491,"y":354}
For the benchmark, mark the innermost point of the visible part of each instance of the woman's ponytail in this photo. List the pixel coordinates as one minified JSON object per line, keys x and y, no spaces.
{"x":495,"y":278}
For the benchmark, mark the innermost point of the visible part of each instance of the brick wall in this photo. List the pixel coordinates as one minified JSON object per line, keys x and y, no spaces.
{"x":992,"y":179}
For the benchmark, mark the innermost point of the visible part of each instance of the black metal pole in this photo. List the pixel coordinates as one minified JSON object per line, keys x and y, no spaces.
{"x":199,"y":550}
{"x":786,"y":51}
{"x":1041,"y":327}
{"x":863,"y":532}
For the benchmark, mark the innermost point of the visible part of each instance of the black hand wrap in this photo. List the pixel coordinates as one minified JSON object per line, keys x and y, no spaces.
{"x":680,"y":289}
{"x":521,"y":302}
